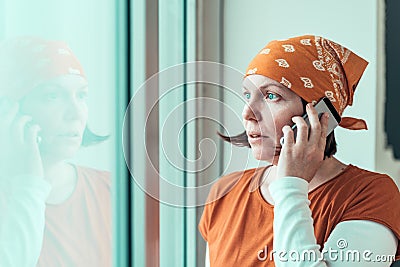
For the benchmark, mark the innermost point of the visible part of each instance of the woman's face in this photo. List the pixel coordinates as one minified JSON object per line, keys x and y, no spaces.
{"x":270,"y":106}
{"x":59,"y":107}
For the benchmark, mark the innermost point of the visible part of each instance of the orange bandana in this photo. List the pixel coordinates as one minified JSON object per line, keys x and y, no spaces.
{"x":25,"y":62}
{"x":313,"y":67}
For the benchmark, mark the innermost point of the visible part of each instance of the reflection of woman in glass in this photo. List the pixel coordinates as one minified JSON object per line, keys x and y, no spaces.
{"x":306,"y":207}
{"x":65,"y":218}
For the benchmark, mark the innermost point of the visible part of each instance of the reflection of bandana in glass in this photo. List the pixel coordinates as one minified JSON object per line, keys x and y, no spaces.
{"x":313,"y":67}
{"x":27,"y":62}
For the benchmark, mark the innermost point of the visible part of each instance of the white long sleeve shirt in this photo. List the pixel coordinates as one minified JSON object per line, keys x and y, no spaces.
{"x":22,"y":220}
{"x":351,"y":243}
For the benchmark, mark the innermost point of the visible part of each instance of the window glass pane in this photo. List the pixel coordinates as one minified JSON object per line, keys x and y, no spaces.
{"x":172,"y":133}
{"x":138,"y":249}
{"x":60,"y":58}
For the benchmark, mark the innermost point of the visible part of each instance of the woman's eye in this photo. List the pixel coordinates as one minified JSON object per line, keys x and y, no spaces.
{"x":271,"y":96}
{"x":247,"y":95}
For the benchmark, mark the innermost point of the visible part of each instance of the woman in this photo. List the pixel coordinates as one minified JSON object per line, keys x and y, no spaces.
{"x":310,"y":209}
{"x":54,"y":213}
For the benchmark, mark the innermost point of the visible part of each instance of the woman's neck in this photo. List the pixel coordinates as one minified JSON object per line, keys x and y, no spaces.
{"x":329,"y":169}
{"x":62,"y":178}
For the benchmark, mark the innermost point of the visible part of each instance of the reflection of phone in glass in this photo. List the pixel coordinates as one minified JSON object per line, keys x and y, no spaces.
{"x":324,"y":105}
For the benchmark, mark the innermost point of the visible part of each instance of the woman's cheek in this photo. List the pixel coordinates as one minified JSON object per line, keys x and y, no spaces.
{"x":281,"y":121}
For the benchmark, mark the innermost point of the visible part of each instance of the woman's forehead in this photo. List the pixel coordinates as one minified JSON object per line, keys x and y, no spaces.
{"x":66,"y":82}
{"x":260,"y":82}
{"x":69,"y":80}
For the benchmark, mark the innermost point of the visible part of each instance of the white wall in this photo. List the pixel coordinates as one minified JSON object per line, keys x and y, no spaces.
{"x":250,"y":25}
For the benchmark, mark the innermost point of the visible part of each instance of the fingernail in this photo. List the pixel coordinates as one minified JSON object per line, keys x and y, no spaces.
{"x":327,"y":115}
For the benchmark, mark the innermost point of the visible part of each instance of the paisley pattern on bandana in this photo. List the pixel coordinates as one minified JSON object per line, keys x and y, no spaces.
{"x":313,"y":67}
{"x":286,"y":83}
{"x":282,"y":63}
{"x":307,"y":82}
{"x":265,"y":51}
{"x":289,"y":48}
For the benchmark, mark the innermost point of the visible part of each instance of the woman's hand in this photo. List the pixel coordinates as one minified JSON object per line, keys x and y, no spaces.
{"x":19,"y":151}
{"x":302,"y":157}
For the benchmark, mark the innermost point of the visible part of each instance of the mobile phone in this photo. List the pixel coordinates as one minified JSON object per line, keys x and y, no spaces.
{"x":324,"y":105}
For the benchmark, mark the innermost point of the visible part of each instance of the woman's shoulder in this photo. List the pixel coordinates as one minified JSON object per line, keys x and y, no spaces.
{"x":234,"y":181}
{"x":359,"y":176}
{"x":91,"y":171}
{"x":360,"y":193}
{"x":354,"y":187}
{"x":94,"y":175}
{"x":371,"y":196}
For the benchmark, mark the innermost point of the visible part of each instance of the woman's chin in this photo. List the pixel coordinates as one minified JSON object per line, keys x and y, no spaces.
{"x":59,"y":153}
{"x":263,"y":155}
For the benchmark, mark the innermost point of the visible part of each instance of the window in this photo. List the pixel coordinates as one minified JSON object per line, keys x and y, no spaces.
{"x":392,"y":79}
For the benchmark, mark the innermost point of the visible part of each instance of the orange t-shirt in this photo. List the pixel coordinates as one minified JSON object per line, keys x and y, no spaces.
{"x":78,"y":231}
{"x":239,"y":223}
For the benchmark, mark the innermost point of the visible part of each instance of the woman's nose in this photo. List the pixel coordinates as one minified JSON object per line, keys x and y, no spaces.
{"x":250,"y":113}
{"x":74,"y":110}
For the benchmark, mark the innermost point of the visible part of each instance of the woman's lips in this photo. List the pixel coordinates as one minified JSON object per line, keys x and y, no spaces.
{"x":255,"y":138}
{"x":70,"y":136}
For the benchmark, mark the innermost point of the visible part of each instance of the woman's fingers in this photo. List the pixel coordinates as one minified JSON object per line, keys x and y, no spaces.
{"x":288,"y":136}
{"x":315,"y":124}
{"x":303,"y":157}
{"x":31,"y":137}
{"x":324,"y":129}
{"x":19,"y":127}
{"x":19,"y":153}
{"x":302,"y":130}
{"x":315,"y":132}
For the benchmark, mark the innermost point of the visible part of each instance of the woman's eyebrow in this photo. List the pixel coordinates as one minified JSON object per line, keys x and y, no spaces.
{"x":244,"y":88}
{"x":266,"y":86}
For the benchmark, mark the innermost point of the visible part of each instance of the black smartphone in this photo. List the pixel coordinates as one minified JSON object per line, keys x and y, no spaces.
{"x":323,"y":105}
